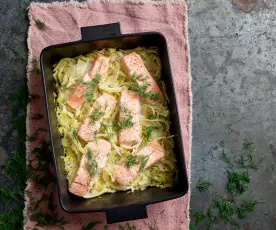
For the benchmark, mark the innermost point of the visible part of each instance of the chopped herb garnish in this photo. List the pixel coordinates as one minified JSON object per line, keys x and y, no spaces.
{"x":147,"y":132}
{"x":96,"y":115}
{"x":199,"y":217}
{"x":36,"y":69}
{"x":75,"y":134}
{"x":247,"y":207}
{"x":203,"y":186}
{"x":43,"y":219}
{"x":225,"y":208}
{"x":92,"y":164}
{"x":237,"y":182}
{"x":91,"y":87}
{"x":40,"y":24}
{"x":142,"y":90}
{"x":91,"y":225}
{"x":144,"y":162}
{"x":126,"y":123}
{"x":226,"y":159}
{"x":132,"y":160}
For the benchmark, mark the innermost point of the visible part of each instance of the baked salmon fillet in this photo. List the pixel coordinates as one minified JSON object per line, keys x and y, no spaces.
{"x":134,"y":66}
{"x":130,"y":108}
{"x":100,"y":66}
{"x":91,"y":164}
{"x":103,"y":106}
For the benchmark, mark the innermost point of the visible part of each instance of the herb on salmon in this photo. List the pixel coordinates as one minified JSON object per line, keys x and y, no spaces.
{"x":96,"y":115}
{"x":142,"y":90}
{"x":92,"y":165}
{"x":125,"y":123}
{"x":91,"y":87}
{"x":144,"y":162}
{"x":132,"y":160}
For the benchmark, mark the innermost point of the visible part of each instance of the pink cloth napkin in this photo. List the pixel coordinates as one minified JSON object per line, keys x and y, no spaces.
{"x":63,"y":22}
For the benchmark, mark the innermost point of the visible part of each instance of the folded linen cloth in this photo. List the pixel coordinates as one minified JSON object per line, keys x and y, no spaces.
{"x":62,"y":23}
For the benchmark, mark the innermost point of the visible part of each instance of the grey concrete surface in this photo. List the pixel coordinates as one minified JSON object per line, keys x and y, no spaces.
{"x":233,"y":67}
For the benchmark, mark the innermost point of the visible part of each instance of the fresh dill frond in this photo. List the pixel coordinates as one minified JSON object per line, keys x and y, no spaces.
{"x":142,"y":90}
{"x":147,"y":132}
{"x":192,"y":227}
{"x":199,"y":217}
{"x":145,"y":160}
{"x":203,"y":186}
{"x":226,"y":209}
{"x":226,"y":159}
{"x":44,"y":219}
{"x":92,"y":164}
{"x":247,"y":207}
{"x":237,"y":182}
{"x":40,"y":24}
{"x":132,"y":160}
{"x":125,"y":123}
{"x":96,"y":115}
{"x":91,"y":225}
{"x":75,"y":135}
{"x":91,"y":87}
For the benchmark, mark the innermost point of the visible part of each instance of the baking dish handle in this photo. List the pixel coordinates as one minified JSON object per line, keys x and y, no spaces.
{"x":126,"y":214}
{"x":100,"y":32}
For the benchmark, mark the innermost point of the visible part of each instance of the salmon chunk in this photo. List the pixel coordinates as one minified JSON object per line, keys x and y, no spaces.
{"x":130,"y":108}
{"x":102,"y":107}
{"x":77,"y":98}
{"x":83,"y":179}
{"x":154,"y":151}
{"x":134,"y":65}
{"x":124,"y":176}
{"x":100,"y":66}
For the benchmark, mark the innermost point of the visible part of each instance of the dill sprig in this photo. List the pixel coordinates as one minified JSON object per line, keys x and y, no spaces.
{"x":75,"y":135}
{"x":132,"y":160}
{"x":92,"y":165}
{"x":199,"y":217}
{"x":91,"y":225}
{"x":203,"y":186}
{"x":237,"y":182}
{"x":42,"y":219}
{"x":247,"y":207}
{"x":36,"y":68}
{"x":144,"y":162}
{"x":96,"y":115}
{"x":123,"y":124}
{"x":91,"y":87}
{"x":246,"y":159}
{"x":226,"y":159}
{"x":142,"y":90}
{"x":147,"y":132}
{"x":40,"y":24}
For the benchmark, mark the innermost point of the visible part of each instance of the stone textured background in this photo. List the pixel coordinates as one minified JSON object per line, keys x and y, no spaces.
{"x":233,"y":66}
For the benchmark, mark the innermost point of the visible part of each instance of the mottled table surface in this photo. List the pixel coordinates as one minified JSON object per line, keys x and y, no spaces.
{"x":233,"y":60}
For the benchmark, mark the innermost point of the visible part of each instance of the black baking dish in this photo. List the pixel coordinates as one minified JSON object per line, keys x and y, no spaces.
{"x":120,"y":206}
